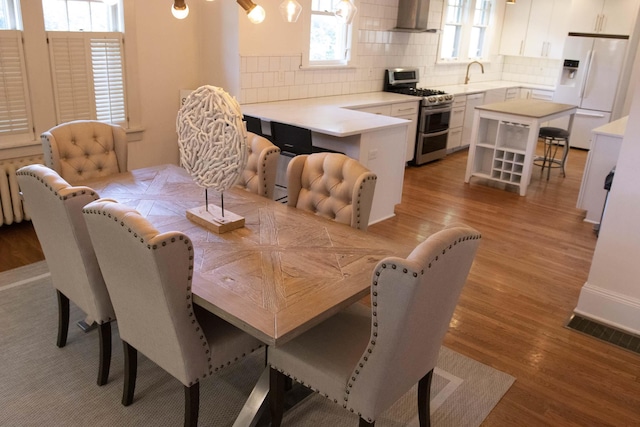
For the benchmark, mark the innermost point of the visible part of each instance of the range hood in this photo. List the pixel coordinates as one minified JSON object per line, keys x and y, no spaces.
{"x":413,"y":16}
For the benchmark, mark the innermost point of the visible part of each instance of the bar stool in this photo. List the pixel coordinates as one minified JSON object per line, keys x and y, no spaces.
{"x":553,"y":139}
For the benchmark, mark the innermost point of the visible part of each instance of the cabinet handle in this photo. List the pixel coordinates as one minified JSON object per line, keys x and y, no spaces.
{"x":602,"y":23}
{"x":599,"y":23}
{"x":406,"y":109}
{"x":521,"y":47}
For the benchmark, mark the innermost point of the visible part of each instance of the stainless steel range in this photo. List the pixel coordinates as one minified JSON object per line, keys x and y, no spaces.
{"x":435,"y":111}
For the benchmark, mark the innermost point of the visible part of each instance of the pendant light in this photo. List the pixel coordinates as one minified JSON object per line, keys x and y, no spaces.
{"x":180,"y":10}
{"x":255,"y":12}
{"x":345,"y":11}
{"x":290,"y":10}
{"x":511,"y":1}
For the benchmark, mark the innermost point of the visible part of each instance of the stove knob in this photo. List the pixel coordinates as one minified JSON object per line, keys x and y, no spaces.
{"x":449,"y":97}
{"x":432,"y":99}
{"x":440,"y":98}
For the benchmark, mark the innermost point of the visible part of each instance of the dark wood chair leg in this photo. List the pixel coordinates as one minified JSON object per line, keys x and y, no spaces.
{"x":424,"y":399}
{"x":191,"y":405}
{"x":104,"y":331}
{"x":277,"y":382}
{"x":365,"y":423}
{"x":63,"y":319}
{"x":130,"y":372}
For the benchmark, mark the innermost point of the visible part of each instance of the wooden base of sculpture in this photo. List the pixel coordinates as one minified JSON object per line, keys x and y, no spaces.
{"x":213,"y":220}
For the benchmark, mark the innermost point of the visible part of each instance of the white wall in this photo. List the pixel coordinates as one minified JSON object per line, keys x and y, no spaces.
{"x":219,"y":55}
{"x":271,"y":55}
{"x":167,"y":62}
{"x":612,"y":291}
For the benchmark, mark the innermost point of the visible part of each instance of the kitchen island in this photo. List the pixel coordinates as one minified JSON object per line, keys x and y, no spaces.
{"x":376,"y":141}
{"x":504,"y":138}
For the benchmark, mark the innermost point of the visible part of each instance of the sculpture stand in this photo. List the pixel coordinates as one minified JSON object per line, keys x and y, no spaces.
{"x":213,"y":220}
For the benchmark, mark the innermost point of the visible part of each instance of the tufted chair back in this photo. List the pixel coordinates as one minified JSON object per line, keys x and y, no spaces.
{"x":259,"y":176}
{"x":85,"y":149}
{"x":55,"y":208}
{"x":148,"y":275}
{"x":56,"y":211}
{"x":331,"y":185}
{"x":366,"y":358}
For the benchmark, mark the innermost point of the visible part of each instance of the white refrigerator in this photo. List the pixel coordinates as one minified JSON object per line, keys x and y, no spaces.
{"x":589,"y":79}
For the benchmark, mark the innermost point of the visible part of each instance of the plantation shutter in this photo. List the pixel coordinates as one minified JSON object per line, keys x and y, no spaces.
{"x":108,"y":78}
{"x":15,"y":114}
{"x":88,"y":76}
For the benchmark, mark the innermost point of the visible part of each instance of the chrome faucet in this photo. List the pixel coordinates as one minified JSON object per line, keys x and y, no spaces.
{"x":466,"y":78}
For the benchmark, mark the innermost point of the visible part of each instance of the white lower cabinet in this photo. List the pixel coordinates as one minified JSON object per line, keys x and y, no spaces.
{"x":456,"y":121}
{"x":495,"y":95}
{"x":473,"y":101}
{"x":402,"y":110}
{"x":408,"y":111}
{"x":512,"y":93}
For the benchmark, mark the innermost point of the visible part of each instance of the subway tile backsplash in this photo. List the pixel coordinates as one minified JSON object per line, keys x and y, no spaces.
{"x":276,"y":78}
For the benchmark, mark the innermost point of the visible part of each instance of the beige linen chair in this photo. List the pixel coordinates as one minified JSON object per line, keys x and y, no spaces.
{"x":56,"y":212}
{"x":148,"y":275}
{"x":85,"y":149}
{"x":331,"y":185}
{"x":259,"y":176}
{"x":364,"y":359}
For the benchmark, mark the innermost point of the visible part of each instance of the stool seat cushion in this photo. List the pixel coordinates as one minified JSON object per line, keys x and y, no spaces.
{"x":551,"y":132}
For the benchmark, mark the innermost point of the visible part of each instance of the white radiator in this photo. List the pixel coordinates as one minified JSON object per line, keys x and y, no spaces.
{"x":11,"y":209}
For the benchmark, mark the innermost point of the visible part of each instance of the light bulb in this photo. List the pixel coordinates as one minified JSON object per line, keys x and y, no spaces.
{"x":290,"y":10}
{"x":179,"y":9}
{"x":345,"y":11}
{"x":257,"y":14}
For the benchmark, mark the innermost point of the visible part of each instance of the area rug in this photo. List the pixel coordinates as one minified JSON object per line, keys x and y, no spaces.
{"x":45,"y":385}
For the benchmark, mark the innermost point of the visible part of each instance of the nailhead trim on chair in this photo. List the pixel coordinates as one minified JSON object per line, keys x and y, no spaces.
{"x":374,"y":177}
{"x":67,"y":197}
{"x":374,"y":303}
{"x":264,"y":167}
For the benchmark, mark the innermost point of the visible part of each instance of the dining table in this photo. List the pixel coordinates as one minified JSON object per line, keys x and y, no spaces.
{"x":281,"y":274}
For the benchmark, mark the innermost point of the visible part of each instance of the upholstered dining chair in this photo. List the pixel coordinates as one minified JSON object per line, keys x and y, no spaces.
{"x":364,"y":359}
{"x":85,"y":149}
{"x":56,"y":213}
{"x":259,"y":175}
{"x":148,"y":275}
{"x":331,"y":185}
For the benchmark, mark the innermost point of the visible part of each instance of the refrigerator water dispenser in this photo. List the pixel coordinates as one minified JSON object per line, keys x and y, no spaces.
{"x":569,"y":70}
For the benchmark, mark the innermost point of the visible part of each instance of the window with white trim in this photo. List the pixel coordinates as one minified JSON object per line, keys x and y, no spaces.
{"x":465,"y":33}
{"x":9,"y":15}
{"x":330,"y":41}
{"x":87,"y":63}
{"x":15,"y":112}
{"x":83,"y":77}
{"x":88,"y":76}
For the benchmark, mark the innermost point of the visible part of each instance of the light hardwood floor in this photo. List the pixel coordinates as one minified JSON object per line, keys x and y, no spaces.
{"x":532,"y":262}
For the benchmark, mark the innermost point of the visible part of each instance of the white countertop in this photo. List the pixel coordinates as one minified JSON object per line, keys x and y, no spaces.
{"x":484,"y":86}
{"x":331,"y":114}
{"x":614,"y":128}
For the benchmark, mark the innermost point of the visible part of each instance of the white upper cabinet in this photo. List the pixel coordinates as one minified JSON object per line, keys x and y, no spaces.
{"x":603,"y":16}
{"x":514,"y":28}
{"x":536,"y":29}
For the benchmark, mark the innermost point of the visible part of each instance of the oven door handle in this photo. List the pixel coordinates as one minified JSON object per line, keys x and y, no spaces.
{"x":430,"y":111}
{"x":443,"y":132}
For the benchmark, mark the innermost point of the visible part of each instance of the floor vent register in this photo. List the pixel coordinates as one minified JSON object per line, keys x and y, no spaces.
{"x":605,"y":333}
